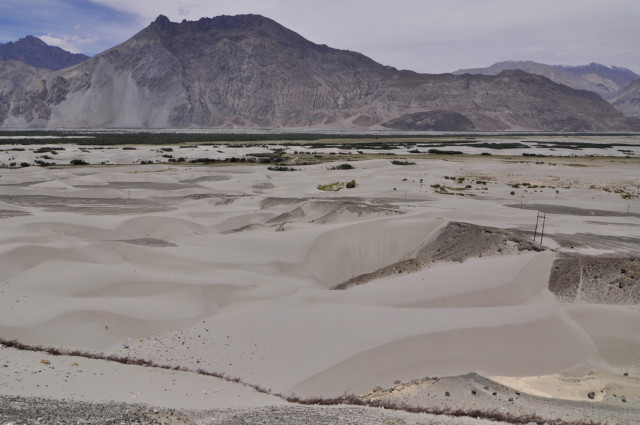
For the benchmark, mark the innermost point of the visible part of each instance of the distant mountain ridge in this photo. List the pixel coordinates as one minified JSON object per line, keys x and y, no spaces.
{"x":248,"y":71}
{"x":619,"y":75}
{"x":604,"y":80}
{"x":35,"y":52}
{"x":627,"y":100}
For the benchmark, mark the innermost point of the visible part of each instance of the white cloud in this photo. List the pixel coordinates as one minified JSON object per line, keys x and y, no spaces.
{"x":70,"y":43}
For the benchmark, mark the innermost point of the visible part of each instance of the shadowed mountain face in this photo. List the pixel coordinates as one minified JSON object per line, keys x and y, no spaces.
{"x":604,"y":80}
{"x":35,"y":52}
{"x":431,"y":121}
{"x":613,"y":77}
{"x":627,"y":100}
{"x":249,"y":71}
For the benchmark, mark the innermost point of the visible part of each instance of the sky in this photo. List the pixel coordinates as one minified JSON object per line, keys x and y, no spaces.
{"x":429,"y":36}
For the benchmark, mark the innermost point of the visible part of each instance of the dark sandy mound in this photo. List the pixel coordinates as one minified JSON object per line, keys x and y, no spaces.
{"x":583,"y":212}
{"x":152,"y":242}
{"x":456,"y":242}
{"x":622,"y":244}
{"x":97,"y":206}
{"x":606,"y":279}
{"x":248,"y":227}
{"x":327,"y":211}
{"x":271,"y":202}
{"x":431,"y":121}
{"x":12,"y":213}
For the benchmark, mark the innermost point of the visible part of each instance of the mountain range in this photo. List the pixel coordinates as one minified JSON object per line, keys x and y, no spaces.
{"x":247,"y":71}
{"x":614,"y":84}
{"x":604,"y":80}
{"x":627,"y":99}
{"x":35,"y":52}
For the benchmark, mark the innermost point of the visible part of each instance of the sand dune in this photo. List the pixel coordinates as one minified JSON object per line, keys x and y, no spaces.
{"x":191,"y":272}
{"x":448,"y":352}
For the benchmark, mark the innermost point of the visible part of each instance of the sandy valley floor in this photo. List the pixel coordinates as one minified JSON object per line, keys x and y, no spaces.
{"x":232,"y":269}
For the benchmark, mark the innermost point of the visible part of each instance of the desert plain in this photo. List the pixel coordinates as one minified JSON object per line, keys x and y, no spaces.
{"x":421,"y":287}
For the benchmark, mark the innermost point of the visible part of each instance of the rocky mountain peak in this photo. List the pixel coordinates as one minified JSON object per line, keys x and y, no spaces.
{"x":197,"y":34}
{"x":162,"y":23}
{"x":161,"y":20}
{"x":35,"y":52}
{"x":29,"y":41}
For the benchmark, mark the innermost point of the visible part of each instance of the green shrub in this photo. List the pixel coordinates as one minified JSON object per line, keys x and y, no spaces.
{"x":342,"y":167}
{"x":281,"y":168}
{"x":336,"y":186}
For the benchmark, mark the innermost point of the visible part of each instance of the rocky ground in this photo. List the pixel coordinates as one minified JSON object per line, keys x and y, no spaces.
{"x":472,"y":391}
{"x":23,"y":410}
{"x":606,"y":279}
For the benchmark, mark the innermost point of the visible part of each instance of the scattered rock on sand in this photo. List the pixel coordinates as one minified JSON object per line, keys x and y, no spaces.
{"x":606,"y":279}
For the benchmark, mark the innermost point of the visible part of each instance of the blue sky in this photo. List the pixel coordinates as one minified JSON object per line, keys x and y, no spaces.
{"x":80,"y":26}
{"x":422,"y":35}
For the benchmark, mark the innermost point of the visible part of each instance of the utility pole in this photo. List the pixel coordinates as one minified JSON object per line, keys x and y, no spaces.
{"x":544,"y":218}
{"x":535,"y":232}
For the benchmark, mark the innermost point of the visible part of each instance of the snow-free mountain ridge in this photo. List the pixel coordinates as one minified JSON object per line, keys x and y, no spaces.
{"x":35,"y":52}
{"x":248,"y":71}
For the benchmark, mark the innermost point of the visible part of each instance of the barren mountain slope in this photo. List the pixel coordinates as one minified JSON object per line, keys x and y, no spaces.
{"x":248,"y":71}
{"x":35,"y":52}
{"x":604,"y":80}
{"x":627,"y":100}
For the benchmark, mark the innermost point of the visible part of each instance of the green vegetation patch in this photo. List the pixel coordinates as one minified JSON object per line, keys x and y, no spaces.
{"x":341,"y":167}
{"x":336,"y":186}
{"x":281,"y":168}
